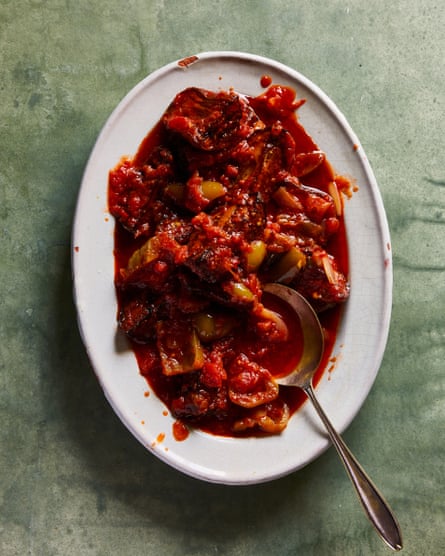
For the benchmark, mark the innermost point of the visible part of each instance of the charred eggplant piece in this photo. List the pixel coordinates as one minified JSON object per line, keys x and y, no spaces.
{"x":210,"y":121}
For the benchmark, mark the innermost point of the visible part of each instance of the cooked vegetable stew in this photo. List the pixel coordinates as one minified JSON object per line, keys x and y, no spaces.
{"x":225,"y":194}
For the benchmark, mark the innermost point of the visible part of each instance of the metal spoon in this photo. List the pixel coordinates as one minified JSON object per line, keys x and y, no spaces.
{"x":376,"y":508}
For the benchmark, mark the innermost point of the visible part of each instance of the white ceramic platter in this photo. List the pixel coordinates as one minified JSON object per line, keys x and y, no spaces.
{"x":363,"y":334}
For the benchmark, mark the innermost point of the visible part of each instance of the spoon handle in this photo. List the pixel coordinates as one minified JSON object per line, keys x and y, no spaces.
{"x":377,"y":510}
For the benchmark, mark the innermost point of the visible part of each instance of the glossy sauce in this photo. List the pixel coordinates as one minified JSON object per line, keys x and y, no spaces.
{"x":282,"y":357}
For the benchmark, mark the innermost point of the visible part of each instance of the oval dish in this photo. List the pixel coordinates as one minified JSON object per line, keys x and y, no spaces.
{"x":364,"y":328}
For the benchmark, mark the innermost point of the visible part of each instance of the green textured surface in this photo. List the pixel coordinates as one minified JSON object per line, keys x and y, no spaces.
{"x":72,"y":479}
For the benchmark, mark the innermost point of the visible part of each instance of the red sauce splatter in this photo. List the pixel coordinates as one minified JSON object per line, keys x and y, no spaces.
{"x":160,"y":438}
{"x":76,"y":248}
{"x":186,"y":62}
{"x":265,"y":81}
{"x":180,"y":431}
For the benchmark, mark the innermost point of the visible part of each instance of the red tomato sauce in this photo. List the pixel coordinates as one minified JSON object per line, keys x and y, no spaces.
{"x":220,"y":177}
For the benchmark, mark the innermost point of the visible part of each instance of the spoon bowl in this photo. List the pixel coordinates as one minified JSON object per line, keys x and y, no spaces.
{"x":375,"y":506}
{"x":312,"y":333}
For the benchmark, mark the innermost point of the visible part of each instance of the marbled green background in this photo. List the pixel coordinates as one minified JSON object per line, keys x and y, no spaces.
{"x":72,"y":479}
